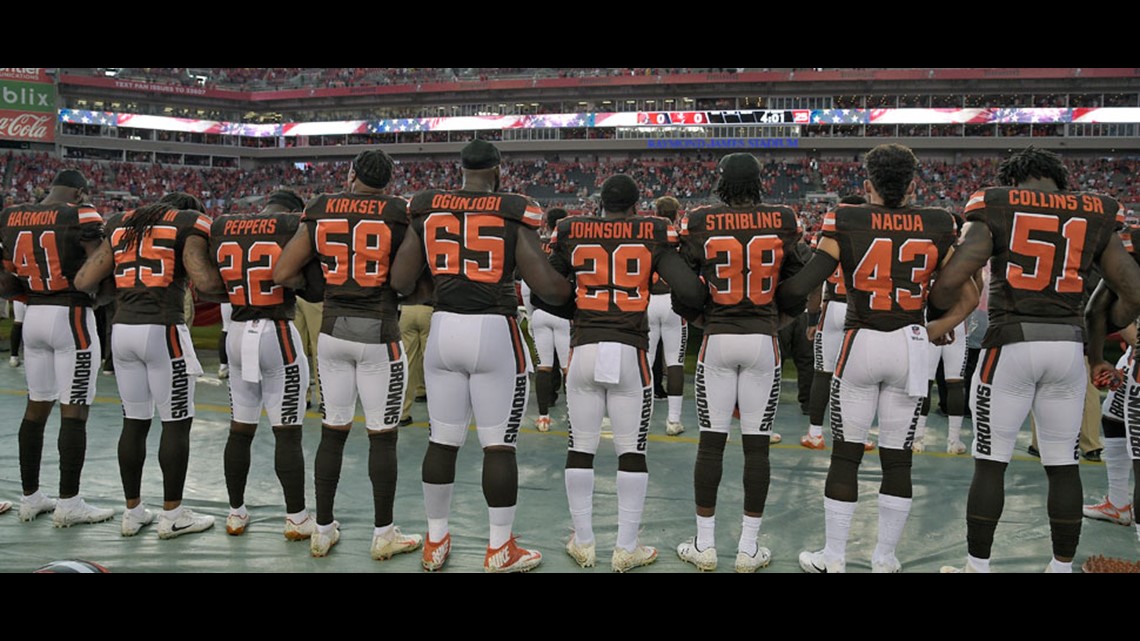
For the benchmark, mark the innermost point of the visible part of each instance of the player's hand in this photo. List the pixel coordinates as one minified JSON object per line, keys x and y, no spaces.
{"x":943,"y":339}
{"x":1105,"y":376}
{"x":811,"y":330}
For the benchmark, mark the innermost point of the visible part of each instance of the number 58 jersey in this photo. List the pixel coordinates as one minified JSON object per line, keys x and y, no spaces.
{"x":888,"y":255}
{"x":1044,"y":245}
{"x":355,"y":236}
{"x":246,"y":248}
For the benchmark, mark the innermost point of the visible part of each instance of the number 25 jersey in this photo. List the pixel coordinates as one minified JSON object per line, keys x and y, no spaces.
{"x":888,"y":255}
{"x":1044,"y":245}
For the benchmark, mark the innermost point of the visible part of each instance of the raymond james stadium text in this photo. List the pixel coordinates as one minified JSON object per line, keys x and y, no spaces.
{"x":723,"y":143}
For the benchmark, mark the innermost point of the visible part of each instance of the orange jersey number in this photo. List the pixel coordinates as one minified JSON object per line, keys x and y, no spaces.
{"x":620,"y":279}
{"x":360,"y":253}
{"x":874,"y":273}
{"x":42,"y":272}
{"x":741,"y":272}
{"x":249,"y":276}
{"x":149,"y":262}
{"x":1044,"y":254}
{"x":485,"y":254}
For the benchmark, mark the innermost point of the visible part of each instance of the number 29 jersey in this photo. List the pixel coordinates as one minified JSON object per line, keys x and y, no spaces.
{"x":43,"y":247}
{"x":888,"y":255}
{"x":469,"y":243}
{"x":612,"y":260}
{"x":246,"y":248}
{"x":355,"y":237}
{"x":1044,"y":245}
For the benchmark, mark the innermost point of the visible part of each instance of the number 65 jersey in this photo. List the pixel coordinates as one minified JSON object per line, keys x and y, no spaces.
{"x":1044,"y":245}
{"x":888,"y":255}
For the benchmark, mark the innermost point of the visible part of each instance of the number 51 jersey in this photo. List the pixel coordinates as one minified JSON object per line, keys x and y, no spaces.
{"x":246,"y":248}
{"x":1044,"y":245}
{"x":888,"y":255}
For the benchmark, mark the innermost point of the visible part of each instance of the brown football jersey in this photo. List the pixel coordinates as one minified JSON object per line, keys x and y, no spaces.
{"x":888,"y":255}
{"x":43,"y":247}
{"x":355,"y":237}
{"x":1044,"y":247}
{"x":150,"y":278}
{"x":469,"y":242}
{"x":246,"y":248}
{"x":742,"y":253}
{"x":612,"y":261}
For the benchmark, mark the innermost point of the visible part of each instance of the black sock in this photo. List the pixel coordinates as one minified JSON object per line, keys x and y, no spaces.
{"x":757,"y":472}
{"x":72,"y":452}
{"x":439,"y":464}
{"x":842,"y":482}
{"x":1064,"y":507}
{"x":382,"y":471}
{"x":709,"y":468}
{"x":174,"y":457}
{"x":223,"y":357}
{"x":132,"y":455}
{"x":235,"y":461}
{"x":544,"y":390}
{"x":820,"y":394}
{"x":326,"y":471}
{"x":31,"y":441}
{"x":17,"y":338}
{"x":289,"y":463}
{"x":984,"y":507}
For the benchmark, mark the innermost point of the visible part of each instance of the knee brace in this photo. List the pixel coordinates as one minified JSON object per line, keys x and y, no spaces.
{"x":633,"y":463}
{"x":709,"y":468}
{"x":579,"y":460}
{"x":757,"y":473}
{"x":439,"y":464}
{"x":896,"y":472}
{"x":500,"y":477}
{"x":956,"y":398}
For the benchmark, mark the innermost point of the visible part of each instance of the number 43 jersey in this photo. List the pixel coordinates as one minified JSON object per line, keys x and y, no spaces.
{"x":469,"y":244}
{"x":43,"y":247}
{"x":355,"y":236}
{"x":246,"y":248}
{"x":888,"y":255}
{"x":1044,"y":245}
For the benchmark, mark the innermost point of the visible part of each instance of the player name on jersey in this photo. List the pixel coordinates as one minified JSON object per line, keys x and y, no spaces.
{"x":250,"y":226}
{"x":364,"y":207}
{"x":896,"y":222}
{"x":637,"y":230}
{"x":33,"y":218}
{"x":732,"y":221}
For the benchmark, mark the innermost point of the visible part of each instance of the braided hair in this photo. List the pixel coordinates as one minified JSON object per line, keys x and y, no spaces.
{"x":142,"y":219}
{"x":1030,"y":163}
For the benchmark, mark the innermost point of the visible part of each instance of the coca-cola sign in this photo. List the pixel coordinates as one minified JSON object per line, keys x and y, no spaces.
{"x":19,"y":125}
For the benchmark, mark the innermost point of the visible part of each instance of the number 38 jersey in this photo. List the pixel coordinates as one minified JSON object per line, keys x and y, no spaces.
{"x":43,"y":247}
{"x":246,"y":248}
{"x":150,"y":278}
{"x":355,"y":236}
{"x":613,"y":261}
{"x":887,"y":256}
{"x":1044,"y":245}
{"x":742,"y":255}
{"x":469,"y":243}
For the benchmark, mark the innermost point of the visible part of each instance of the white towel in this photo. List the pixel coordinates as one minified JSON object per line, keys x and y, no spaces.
{"x":251,"y":350}
{"x":607,"y":363}
{"x":193,"y":367}
{"x":919,"y":352}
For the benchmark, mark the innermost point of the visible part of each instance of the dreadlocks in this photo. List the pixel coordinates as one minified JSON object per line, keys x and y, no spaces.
{"x":891,"y":170}
{"x":142,"y":219}
{"x":1030,"y":163}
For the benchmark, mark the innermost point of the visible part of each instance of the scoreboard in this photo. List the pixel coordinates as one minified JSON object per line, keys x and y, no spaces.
{"x":747,"y":117}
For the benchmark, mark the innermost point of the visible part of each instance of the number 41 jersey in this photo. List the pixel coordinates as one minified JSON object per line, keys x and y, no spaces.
{"x":43,"y":247}
{"x":888,"y":255}
{"x":1044,"y":247}
{"x":245,"y":249}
